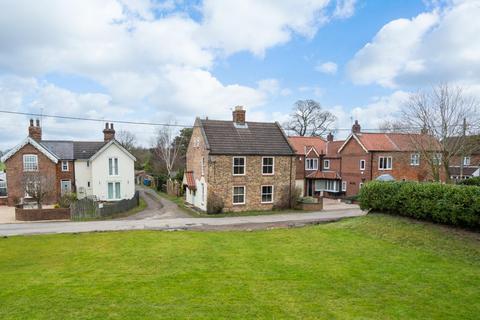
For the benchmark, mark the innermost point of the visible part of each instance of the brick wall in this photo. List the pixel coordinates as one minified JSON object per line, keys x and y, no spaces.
{"x":42,"y":214}
{"x":65,"y":175}
{"x":351,"y":155}
{"x":195,"y":154}
{"x":401,"y":168}
{"x":15,"y":174}
{"x":221,"y":181}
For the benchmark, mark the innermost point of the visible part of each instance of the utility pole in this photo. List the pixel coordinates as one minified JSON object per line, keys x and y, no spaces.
{"x":464,"y":134}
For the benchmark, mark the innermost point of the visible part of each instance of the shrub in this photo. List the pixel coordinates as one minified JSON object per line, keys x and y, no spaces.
{"x":67,"y":199}
{"x":441,"y":203}
{"x":475,"y":181}
{"x":215,"y":203}
{"x":308,"y":200}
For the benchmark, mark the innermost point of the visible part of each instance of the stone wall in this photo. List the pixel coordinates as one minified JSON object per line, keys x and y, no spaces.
{"x":42,"y":214}
{"x":221,"y":182}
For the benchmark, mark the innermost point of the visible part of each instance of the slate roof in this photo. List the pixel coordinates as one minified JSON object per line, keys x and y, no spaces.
{"x":70,"y":150}
{"x":84,"y":150}
{"x":61,"y":149}
{"x":467,"y":171}
{"x":256,"y":138}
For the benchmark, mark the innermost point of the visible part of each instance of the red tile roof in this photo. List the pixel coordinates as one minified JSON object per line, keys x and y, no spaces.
{"x":322,"y":175}
{"x":303,"y":144}
{"x":190,"y":180}
{"x":332,"y":148}
{"x":394,"y":141}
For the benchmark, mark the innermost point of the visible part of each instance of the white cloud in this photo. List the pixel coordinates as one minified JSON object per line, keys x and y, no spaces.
{"x":371,"y":115}
{"x":436,"y":46}
{"x":344,"y":8}
{"x":327,"y":67}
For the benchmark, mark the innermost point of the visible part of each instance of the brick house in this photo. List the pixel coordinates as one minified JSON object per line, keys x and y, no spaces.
{"x":467,"y":165}
{"x":318,"y":166}
{"x":70,"y":166}
{"x":239,"y":165}
{"x":381,"y":156}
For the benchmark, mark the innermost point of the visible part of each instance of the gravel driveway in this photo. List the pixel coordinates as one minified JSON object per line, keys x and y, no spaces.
{"x":157,"y":207}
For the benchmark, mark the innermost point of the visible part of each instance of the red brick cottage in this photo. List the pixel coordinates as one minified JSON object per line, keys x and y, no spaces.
{"x":383,"y":156}
{"x":318,"y":166}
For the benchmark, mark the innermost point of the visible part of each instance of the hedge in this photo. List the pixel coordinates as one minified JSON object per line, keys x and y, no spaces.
{"x":475,"y":181}
{"x":442,"y":203}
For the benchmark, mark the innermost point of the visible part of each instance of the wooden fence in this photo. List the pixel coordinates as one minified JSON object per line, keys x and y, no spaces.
{"x":89,"y":208}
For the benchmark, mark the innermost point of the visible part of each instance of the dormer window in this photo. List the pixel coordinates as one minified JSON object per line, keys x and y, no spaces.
{"x":311,"y":164}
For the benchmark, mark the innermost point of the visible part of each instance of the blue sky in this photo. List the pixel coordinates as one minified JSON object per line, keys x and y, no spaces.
{"x":170,"y":61}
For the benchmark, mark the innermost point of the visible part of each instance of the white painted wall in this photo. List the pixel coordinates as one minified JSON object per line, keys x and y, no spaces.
{"x":83,"y":175}
{"x":98,"y":174}
{"x":195,"y":198}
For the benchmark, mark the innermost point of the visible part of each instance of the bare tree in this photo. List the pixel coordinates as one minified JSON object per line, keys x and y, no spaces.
{"x":38,"y":186}
{"x":392,"y":126}
{"x":167,"y":148}
{"x":308,"y":119}
{"x":126,"y":139}
{"x":441,"y":114}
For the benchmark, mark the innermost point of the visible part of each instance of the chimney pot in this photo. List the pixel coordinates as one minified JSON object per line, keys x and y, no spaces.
{"x":38,"y":123}
{"x":106,"y":125}
{"x":330,"y":137}
{"x":108,"y":132}
{"x":111,"y":126}
{"x":31,"y":122}
{"x":35,"y":132}
{"x":356,"y":128}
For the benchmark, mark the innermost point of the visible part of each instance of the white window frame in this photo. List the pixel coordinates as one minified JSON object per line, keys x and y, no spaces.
{"x":325,"y":166}
{"x":114,"y":191}
{"x":244,"y":166}
{"x":261,"y":193}
{"x":415,"y":159}
{"x":34,"y":165}
{"x":3,"y":185}
{"x":362,"y":164}
{"x":314,"y":163}
{"x":273,"y":166}
{"x":64,"y":166}
{"x":344,"y":186}
{"x":437,"y":159}
{"x":385,"y":162}
{"x":465,"y":162}
{"x":331,"y":185}
{"x":61,"y":185}
{"x":244,"y":195}
{"x":114,"y":168}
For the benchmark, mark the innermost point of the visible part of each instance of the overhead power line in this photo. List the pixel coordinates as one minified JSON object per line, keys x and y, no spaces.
{"x":164,"y":124}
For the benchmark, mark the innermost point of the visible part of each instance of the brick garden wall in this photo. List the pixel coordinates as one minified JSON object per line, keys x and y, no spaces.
{"x":42,"y":214}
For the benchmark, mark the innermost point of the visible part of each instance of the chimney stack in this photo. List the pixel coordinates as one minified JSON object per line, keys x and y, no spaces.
{"x":35,"y":132}
{"x":330,"y":137}
{"x":108,"y":132}
{"x":356,"y":127}
{"x":239,"y":115}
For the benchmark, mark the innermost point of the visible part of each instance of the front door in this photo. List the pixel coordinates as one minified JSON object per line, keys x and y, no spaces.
{"x":65,"y":186}
{"x":310,"y":187}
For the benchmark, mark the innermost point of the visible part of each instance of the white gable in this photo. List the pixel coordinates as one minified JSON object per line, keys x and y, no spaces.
{"x":35,"y":144}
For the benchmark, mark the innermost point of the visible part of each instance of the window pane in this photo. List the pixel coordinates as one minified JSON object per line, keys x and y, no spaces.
{"x":117,"y":190}
{"x":110,"y":190}
{"x":116,"y":166}
{"x":110,"y":166}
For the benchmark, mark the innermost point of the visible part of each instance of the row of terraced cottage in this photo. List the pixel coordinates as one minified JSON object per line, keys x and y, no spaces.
{"x":240,"y":165}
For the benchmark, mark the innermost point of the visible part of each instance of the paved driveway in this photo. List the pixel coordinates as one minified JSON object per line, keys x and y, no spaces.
{"x":7,"y":214}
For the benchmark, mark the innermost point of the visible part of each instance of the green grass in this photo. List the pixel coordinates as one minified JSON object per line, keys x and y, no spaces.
{"x":2,"y":166}
{"x":180,"y":202}
{"x":373,"y":267}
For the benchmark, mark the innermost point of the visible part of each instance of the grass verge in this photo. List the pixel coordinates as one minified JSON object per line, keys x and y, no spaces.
{"x":373,"y":267}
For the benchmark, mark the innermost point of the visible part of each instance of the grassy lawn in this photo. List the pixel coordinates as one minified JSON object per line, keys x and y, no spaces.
{"x":374,"y":267}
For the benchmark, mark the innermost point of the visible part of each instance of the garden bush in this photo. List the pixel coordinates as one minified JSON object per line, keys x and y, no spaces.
{"x":475,"y":181}
{"x":442,"y":203}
